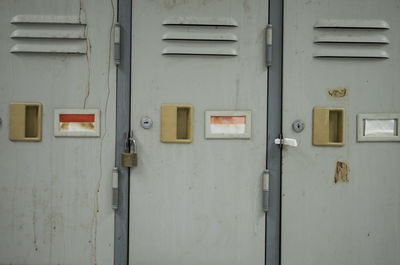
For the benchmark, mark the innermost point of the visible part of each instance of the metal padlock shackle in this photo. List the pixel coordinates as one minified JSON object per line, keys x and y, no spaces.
{"x":132,"y":147}
{"x":130,"y":143}
{"x":129,"y":157}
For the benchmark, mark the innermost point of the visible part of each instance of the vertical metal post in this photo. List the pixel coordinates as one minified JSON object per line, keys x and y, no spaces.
{"x":121,"y":235}
{"x":274,"y":156}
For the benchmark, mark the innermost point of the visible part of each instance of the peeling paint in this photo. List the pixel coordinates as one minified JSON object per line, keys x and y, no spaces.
{"x":341,"y":172}
{"x":338,"y":92}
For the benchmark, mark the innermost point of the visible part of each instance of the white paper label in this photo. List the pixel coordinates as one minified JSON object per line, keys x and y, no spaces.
{"x":379,"y":128}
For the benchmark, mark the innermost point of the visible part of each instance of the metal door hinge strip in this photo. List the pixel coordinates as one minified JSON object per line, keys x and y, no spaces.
{"x":115,"y":175}
{"x":268,"y":40}
{"x":117,"y":44}
{"x":266,"y":190}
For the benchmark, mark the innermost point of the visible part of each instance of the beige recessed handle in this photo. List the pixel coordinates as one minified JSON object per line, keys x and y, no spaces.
{"x":328,"y":126}
{"x":176,"y":123}
{"x":25,"y":122}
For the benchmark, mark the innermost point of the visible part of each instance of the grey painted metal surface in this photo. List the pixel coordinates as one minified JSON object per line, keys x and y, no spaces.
{"x":340,"y":205}
{"x":200,"y":202}
{"x":274,"y":130}
{"x":55,"y":197}
{"x":121,"y":236}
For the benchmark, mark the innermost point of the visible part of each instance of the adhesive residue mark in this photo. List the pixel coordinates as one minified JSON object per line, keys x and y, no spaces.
{"x":341,"y":172}
{"x":338,"y":92}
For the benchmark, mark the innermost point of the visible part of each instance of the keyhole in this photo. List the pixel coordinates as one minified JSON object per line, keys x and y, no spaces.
{"x":298,"y":126}
{"x":146,"y":123}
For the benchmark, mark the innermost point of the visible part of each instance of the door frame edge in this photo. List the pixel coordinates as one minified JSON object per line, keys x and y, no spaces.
{"x":274,"y":130}
{"x":123,"y":112}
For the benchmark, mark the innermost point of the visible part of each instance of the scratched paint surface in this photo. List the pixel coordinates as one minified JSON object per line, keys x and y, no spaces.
{"x":355,"y":220}
{"x":198,"y":203}
{"x":55,"y":195}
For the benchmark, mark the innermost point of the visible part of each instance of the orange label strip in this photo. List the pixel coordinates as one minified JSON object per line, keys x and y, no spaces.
{"x":76,"y":118}
{"x":228,"y":119}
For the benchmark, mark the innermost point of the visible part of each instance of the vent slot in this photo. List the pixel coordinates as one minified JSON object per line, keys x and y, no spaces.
{"x":48,"y":34}
{"x":350,"y":39}
{"x":350,"y":53}
{"x":215,"y":37}
{"x":200,"y":21}
{"x":47,"y":19}
{"x":190,"y":36}
{"x":352,"y":24}
{"x":199,"y":51}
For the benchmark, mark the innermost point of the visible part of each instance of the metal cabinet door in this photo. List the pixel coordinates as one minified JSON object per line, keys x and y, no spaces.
{"x":200,"y":202}
{"x":55,"y":194}
{"x":340,"y":54}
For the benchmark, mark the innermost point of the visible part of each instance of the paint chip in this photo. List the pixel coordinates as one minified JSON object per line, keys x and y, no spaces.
{"x":341,"y":172}
{"x":337,"y":92}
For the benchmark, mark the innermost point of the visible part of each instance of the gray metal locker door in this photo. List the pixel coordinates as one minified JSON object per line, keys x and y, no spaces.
{"x":341,"y":54}
{"x":199,"y":202}
{"x":55,"y":194}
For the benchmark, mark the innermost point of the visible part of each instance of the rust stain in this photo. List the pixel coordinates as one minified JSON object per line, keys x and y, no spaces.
{"x":87,"y":125}
{"x":83,"y":125}
{"x":337,"y":92}
{"x":341,"y":172}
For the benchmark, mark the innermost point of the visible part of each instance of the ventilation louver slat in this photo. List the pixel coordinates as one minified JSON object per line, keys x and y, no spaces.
{"x":350,"y":38}
{"x":201,"y":21}
{"x":352,"y":24}
{"x":200,"y":36}
{"x":48,"y":34}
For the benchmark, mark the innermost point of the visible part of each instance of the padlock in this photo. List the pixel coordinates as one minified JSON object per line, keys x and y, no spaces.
{"x":130,"y":159}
